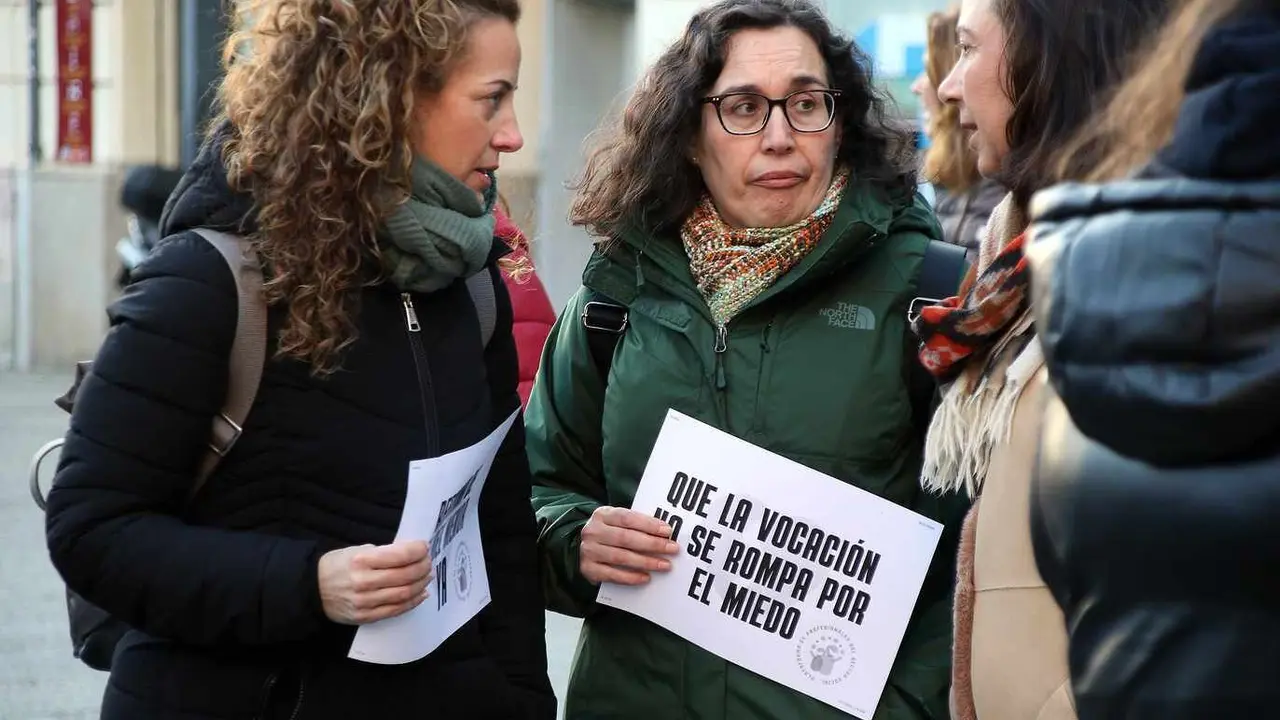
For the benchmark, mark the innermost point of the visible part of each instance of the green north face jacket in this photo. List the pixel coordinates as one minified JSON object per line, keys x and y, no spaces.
{"x":815,"y":369}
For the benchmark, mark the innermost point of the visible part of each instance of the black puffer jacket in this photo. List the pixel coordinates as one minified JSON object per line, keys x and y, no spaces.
{"x":225,"y":600}
{"x":1155,"y":506}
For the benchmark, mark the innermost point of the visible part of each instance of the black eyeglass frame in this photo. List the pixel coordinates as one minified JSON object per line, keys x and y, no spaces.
{"x":775,"y":102}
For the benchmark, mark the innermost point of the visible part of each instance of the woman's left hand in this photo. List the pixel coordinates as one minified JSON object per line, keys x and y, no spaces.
{"x":364,"y":584}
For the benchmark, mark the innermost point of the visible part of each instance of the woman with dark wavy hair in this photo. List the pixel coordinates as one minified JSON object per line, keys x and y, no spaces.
{"x":759,"y":241}
{"x":1030,"y":75}
{"x":356,"y":155}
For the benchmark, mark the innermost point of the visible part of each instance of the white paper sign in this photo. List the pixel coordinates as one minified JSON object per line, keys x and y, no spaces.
{"x":441,"y":506}
{"x":785,"y":571}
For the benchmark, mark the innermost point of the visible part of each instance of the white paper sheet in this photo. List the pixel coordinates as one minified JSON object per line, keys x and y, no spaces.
{"x":782,"y":570}
{"x":441,"y":506}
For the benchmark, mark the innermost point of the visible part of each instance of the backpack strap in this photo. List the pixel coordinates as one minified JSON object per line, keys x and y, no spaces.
{"x":248,"y":351}
{"x":605,"y":321}
{"x":480,"y":286}
{"x":941,"y":273}
{"x":248,"y":356}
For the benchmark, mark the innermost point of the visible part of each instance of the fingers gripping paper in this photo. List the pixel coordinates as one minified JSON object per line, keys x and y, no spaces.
{"x":441,"y":506}
{"x":785,"y":571}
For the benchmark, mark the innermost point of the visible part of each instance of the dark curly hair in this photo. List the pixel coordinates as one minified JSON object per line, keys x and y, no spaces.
{"x":319,"y":96}
{"x":640,"y":174}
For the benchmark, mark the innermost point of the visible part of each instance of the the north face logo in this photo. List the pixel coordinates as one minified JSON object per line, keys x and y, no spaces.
{"x":850,"y":316}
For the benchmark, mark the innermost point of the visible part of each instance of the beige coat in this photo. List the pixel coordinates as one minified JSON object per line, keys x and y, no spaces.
{"x":1011,"y":641}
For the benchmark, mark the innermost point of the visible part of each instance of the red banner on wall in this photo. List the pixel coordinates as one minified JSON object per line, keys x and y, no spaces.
{"x":75,"y":80}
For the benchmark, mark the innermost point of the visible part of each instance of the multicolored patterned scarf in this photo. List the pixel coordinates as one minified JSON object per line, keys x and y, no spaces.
{"x":982,"y":346}
{"x":962,"y":327}
{"x":732,"y":266}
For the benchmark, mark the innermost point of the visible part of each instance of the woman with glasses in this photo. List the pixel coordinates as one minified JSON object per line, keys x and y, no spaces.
{"x":760,"y":240}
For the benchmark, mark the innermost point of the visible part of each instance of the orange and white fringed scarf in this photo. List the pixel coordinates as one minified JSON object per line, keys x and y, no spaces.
{"x":992,"y":319}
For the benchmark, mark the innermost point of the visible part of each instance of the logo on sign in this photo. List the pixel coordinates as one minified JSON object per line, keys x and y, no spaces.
{"x":825,"y":655}
{"x":462,"y":571}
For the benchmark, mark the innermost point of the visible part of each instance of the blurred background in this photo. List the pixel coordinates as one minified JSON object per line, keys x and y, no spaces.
{"x":90,"y":89}
{"x":120,"y":83}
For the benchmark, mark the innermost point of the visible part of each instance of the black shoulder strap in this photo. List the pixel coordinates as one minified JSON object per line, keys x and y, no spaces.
{"x":941,"y":273}
{"x":605,"y":321}
{"x":942,"y":270}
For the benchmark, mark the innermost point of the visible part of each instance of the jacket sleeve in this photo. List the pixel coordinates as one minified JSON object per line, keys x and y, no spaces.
{"x":921,"y":675}
{"x":564,"y":454}
{"x":513,"y":623}
{"x":140,"y":425}
{"x":533,"y":317}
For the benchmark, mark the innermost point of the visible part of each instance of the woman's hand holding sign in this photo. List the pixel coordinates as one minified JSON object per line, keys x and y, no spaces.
{"x":364,"y":584}
{"x":622,"y":546}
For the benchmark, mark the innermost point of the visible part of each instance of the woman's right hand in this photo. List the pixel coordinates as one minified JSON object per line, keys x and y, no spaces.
{"x":367,"y":583}
{"x":621,"y":546}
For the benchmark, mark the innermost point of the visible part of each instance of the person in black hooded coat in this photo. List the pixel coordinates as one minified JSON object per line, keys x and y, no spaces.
{"x":1154,"y":512}
{"x":244,"y":602}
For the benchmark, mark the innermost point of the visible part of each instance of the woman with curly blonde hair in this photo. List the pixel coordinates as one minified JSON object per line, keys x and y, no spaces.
{"x":355,"y":156}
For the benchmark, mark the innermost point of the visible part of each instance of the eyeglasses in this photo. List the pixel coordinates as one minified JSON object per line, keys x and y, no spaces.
{"x":747,"y":113}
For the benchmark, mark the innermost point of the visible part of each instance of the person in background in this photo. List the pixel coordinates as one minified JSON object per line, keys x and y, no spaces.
{"x":355,"y":151}
{"x":965,"y":198}
{"x":1030,"y":74}
{"x":754,"y":187}
{"x":532,"y":312}
{"x":1155,"y":501}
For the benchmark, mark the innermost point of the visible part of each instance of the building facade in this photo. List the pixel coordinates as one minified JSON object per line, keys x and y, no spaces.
{"x":152,"y":62}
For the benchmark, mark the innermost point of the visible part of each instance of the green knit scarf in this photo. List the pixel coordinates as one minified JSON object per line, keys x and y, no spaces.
{"x":443,"y":232}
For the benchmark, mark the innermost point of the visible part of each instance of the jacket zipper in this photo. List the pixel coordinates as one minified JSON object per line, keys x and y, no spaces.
{"x":302,"y":691}
{"x":762,"y":373}
{"x":425,"y":387}
{"x":722,"y":382}
{"x":722,"y":345}
{"x":268,"y":687}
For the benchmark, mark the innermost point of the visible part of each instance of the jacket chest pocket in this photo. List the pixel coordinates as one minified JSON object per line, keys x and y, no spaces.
{"x":834,"y":386}
{"x":655,"y":369}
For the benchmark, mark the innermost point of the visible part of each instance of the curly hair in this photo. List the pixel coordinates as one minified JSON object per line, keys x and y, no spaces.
{"x":949,"y":161}
{"x":319,"y":96}
{"x":640,"y":173}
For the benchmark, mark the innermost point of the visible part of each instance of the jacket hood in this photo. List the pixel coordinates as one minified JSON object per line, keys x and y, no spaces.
{"x":1155,"y":302}
{"x":867,"y":215}
{"x":204,"y":199}
{"x":1155,"y":298}
{"x":1226,"y":126}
